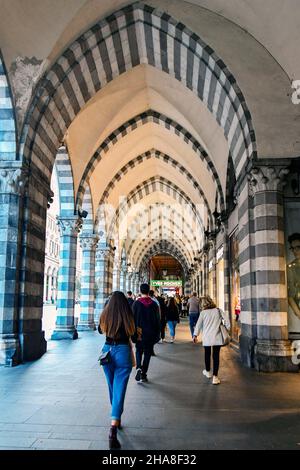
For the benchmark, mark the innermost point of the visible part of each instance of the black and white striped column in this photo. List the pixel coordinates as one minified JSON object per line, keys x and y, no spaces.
{"x":264,"y":305}
{"x":12,"y":183}
{"x":87,"y":298}
{"x":65,"y":324}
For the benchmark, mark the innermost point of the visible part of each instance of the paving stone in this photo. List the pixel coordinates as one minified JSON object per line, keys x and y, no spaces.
{"x":61,"y":401}
{"x":57,"y":444}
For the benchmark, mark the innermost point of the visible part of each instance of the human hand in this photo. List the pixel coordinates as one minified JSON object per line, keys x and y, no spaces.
{"x":195,"y":339}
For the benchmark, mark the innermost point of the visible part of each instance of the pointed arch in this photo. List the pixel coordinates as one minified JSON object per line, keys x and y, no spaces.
{"x":136,"y":34}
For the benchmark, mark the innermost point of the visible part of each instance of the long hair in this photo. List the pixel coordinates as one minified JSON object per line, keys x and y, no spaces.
{"x":116,"y":314}
{"x":207,"y":303}
{"x":172,"y":304}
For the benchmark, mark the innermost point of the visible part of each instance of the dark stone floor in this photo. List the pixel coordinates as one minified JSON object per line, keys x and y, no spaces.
{"x":61,"y":402}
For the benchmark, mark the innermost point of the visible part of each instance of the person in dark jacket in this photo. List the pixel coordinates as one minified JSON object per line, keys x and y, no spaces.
{"x":163,"y":321}
{"x":129,"y":298}
{"x":147,"y":333}
{"x":172,"y":316}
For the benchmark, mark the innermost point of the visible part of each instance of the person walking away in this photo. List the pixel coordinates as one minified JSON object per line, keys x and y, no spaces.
{"x":193,"y":306}
{"x":152,"y":296}
{"x":209,"y":323}
{"x":184,"y":307}
{"x":163,"y":318}
{"x":172,"y":317}
{"x":130,"y":298}
{"x":117,"y":323}
{"x":178,"y":302}
{"x":147,"y":331}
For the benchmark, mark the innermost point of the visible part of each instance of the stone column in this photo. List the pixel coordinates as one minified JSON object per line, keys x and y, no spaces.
{"x":116,"y":276}
{"x":264,"y":304}
{"x":224,"y":230}
{"x":65,"y":326}
{"x":187,"y":286}
{"x":12,"y":187}
{"x":103,"y":277}
{"x":123,"y":276}
{"x":88,"y":244}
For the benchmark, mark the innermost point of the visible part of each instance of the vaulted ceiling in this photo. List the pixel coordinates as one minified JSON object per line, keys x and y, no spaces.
{"x":164,"y":145}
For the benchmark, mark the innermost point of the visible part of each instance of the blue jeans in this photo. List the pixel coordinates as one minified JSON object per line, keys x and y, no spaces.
{"x":172,"y":326}
{"x":117,"y":374}
{"x":193,"y":320}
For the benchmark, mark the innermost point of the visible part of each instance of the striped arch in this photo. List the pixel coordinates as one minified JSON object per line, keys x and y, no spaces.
{"x":163,"y":246}
{"x":153,"y":117}
{"x":192,"y":241}
{"x":166,"y":244}
{"x":65,"y":183}
{"x":167,"y":234}
{"x":8,"y":135}
{"x":155,"y":183}
{"x":140,"y":250}
{"x":136,"y":34}
{"x":153,"y":154}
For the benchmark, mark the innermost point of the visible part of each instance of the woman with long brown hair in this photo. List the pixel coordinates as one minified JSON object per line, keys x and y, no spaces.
{"x":117,"y":323}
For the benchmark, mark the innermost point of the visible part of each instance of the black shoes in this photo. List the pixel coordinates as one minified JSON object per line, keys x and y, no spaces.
{"x":144,"y":379}
{"x":138,"y":375}
{"x":112,"y":439}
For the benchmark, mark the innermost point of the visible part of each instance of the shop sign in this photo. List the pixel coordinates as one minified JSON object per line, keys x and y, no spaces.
{"x":164,"y":283}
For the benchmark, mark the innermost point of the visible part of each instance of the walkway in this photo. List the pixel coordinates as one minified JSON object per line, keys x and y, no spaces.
{"x":61,"y":402}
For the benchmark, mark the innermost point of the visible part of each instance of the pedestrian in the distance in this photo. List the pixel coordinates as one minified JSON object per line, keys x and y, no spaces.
{"x":209,"y":323}
{"x":172,"y":315}
{"x":193,"y":306}
{"x":130,"y":298}
{"x":117,"y":323}
{"x":147,"y":333}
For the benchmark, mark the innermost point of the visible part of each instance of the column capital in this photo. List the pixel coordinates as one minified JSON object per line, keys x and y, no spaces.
{"x":69,"y":225}
{"x":267,"y":178}
{"x":14,"y":180}
{"x":103,"y":252}
{"x":89,"y":241}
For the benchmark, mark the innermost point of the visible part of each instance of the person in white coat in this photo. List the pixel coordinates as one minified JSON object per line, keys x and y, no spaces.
{"x":209,"y":323}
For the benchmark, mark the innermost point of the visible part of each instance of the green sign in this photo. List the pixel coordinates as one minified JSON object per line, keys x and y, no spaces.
{"x":164,"y":283}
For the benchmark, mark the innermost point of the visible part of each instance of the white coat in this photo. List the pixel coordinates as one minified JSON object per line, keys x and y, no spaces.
{"x":209,"y":323}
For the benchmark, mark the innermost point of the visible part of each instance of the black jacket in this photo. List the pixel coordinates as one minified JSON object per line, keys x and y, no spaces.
{"x":172,"y":313}
{"x":147,"y":321}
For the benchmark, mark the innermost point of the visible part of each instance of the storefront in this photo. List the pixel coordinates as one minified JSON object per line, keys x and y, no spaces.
{"x":235,"y":308}
{"x":220,"y":278}
{"x":292,"y":239}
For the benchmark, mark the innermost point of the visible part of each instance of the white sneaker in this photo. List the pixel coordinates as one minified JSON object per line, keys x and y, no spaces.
{"x":216,"y":380}
{"x":207,"y":374}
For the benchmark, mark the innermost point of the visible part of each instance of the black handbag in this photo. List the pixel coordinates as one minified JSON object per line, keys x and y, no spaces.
{"x":104,"y":358}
